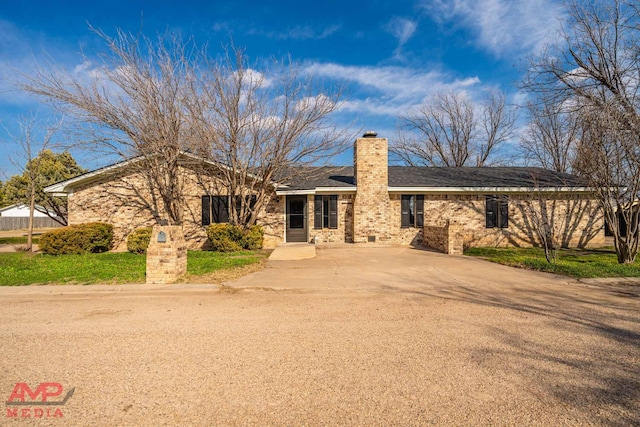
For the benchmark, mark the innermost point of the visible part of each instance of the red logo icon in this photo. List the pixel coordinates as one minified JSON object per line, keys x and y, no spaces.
{"x":23,"y":395}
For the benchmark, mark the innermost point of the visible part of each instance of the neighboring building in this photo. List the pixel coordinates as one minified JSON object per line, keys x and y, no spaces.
{"x":370,"y":202}
{"x":22,"y":211}
{"x":16,"y":217}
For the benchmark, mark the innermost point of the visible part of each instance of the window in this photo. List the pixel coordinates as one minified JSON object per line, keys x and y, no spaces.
{"x":325,"y":212}
{"x":412,"y":210}
{"x":497,"y":211}
{"x":215,"y":209}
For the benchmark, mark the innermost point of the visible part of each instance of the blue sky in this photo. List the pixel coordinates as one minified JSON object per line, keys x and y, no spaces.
{"x":390,"y":55}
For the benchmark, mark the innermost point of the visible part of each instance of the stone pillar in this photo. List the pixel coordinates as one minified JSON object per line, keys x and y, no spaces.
{"x":371,"y":207}
{"x":166,"y":254}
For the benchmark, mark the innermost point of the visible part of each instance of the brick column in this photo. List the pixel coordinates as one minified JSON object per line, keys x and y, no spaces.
{"x":371,"y":207}
{"x":166,"y":254}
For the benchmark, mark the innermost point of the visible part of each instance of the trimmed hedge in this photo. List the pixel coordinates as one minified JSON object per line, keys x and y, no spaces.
{"x":93,"y":237}
{"x":231,"y":238}
{"x":138,"y":240}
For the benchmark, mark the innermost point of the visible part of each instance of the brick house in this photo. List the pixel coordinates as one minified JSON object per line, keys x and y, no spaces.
{"x":369,"y":202}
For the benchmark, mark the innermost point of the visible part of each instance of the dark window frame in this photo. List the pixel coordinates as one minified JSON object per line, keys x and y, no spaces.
{"x":325,"y":211}
{"x":497,"y":211}
{"x":412,"y":211}
{"x":215,"y":208}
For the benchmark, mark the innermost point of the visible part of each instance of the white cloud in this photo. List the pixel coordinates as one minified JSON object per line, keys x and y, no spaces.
{"x":311,"y":102}
{"x":390,"y":90}
{"x":501,"y":25}
{"x":256,"y":78}
{"x":402,"y":29}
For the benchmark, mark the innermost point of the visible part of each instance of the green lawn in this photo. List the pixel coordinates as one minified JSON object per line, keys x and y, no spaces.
{"x":23,"y":269}
{"x":571,"y":262}
{"x":205,"y":262}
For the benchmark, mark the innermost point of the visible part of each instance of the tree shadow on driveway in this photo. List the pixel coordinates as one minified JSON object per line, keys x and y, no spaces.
{"x":573,"y":344}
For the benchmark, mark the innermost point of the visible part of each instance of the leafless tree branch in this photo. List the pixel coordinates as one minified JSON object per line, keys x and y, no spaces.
{"x":447,"y":132}
{"x":593,"y":72}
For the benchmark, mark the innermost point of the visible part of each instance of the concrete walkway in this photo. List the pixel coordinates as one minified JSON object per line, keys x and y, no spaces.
{"x":293,"y":252}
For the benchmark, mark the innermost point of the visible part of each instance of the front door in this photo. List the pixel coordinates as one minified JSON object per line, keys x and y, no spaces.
{"x":296,"y":218}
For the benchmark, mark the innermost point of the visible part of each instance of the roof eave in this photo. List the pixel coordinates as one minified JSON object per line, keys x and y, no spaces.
{"x":61,"y":189}
{"x":293,"y":192}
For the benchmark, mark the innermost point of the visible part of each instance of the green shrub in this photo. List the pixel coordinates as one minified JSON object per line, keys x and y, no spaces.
{"x":231,"y":238}
{"x":138,"y":240}
{"x":91,"y":237}
{"x":253,"y":238}
{"x":224,"y":237}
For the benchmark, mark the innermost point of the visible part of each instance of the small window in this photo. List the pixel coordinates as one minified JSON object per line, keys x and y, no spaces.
{"x":497,"y":211}
{"x":325,"y":212}
{"x":412,"y":210}
{"x":215,"y":209}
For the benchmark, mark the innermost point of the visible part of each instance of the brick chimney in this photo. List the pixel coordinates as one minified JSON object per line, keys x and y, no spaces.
{"x":371,"y":207}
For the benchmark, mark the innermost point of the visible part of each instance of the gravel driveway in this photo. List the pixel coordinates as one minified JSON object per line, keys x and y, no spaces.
{"x":356,"y":336}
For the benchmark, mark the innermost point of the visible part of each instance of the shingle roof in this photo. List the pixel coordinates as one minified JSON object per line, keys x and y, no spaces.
{"x":441,"y":177}
{"x":310,"y":178}
{"x":406,"y":176}
{"x":323,"y":176}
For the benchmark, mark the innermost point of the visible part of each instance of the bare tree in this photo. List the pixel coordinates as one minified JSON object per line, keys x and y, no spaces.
{"x":159,"y":100}
{"x":131,"y":105}
{"x":33,"y":140}
{"x":259,"y":125}
{"x":447,"y":131}
{"x":611,"y":158}
{"x":551,"y":137}
{"x":593,"y":70}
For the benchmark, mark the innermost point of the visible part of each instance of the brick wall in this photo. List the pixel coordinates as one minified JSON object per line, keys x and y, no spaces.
{"x":446,"y":238}
{"x":577,"y":219}
{"x":344,"y":232}
{"x":405,"y":236}
{"x":125,"y":201}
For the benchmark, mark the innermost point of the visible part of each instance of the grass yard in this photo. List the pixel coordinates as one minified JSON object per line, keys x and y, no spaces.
{"x":18,"y":269}
{"x":579,"y":263}
{"x":204,"y":262}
